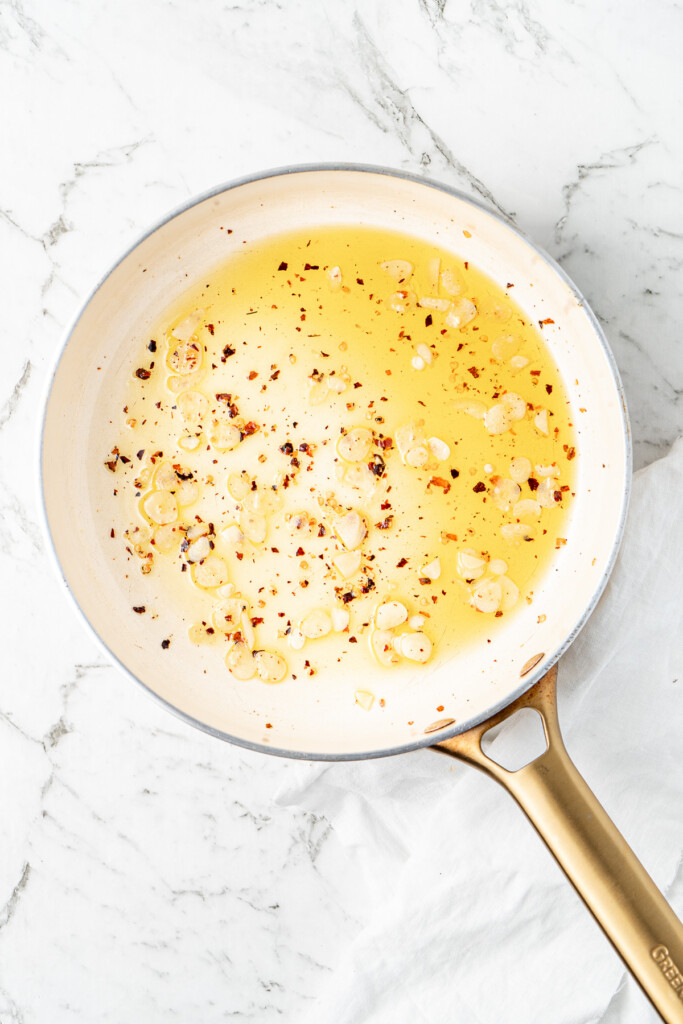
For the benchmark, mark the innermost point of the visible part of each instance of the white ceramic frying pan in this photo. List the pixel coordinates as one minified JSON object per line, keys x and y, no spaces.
{"x":478,"y":687}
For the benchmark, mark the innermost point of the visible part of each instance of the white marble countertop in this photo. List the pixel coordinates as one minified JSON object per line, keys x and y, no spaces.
{"x":146,"y":873}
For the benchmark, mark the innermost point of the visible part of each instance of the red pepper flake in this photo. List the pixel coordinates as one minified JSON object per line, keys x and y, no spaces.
{"x":274,"y":376}
{"x":549,"y":388}
{"x":111,"y":465}
{"x":546,"y":321}
{"x":165,"y":644}
{"x":268,"y":725}
{"x":321,"y":530}
{"x":310,"y":266}
{"x":358,"y":384}
{"x":385,"y":443}
{"x":428,"y":320}
{"x":535,"y":373}
{"x":440,"y":707}
{"x":253,"y":374}
{"x":439,"y":481}
{"x":352,"y":640}
{"x":473,"y":370}
{"x":479,"y":487}
{"x":499,"y":615}
{"x":283,"y":266}
{"x":256,"y":620}
{"x":348,"y":596}
{"x":509,"y":285}
{"x":557,"y":495}
{"x":249,"y":428}
{"x":300,"y":552}
{"x":359,"y":280}
{"x":210,"y":328}
{"x":142,"y":374}
{"x":533,"y":483}
{"x":571,"y":454}
{"x":304,"y":584}
{"x":385,"y":523}
{"x":227,"y":352}
{"x":238,"y":555}
{"x":112,"y":534}
{"x":385,"y":505}
{"x":455,"y":473}
{"x":139,"y":609}
{"x":152,"y":346}
{"x":424,"y":580}
{"x":404,"y":561}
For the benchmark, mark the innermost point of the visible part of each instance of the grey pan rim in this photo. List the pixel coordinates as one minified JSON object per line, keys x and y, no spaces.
{"x":528,"y":681}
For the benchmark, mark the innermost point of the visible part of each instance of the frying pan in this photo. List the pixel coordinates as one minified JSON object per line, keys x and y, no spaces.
{"x":478,"y":687}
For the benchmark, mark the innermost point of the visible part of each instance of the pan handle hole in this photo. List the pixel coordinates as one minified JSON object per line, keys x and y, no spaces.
{"x":517,"y":741}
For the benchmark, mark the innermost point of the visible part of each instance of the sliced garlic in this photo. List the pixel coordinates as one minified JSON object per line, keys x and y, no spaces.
{"x":545,"y":493}
{"x":516,"y":533}
{"x":184,"y":330}
{"x":165,"y":478}
{"x":390,"y":614}
{"x":212,"y":572}
{"x":350,"y":529}
{"x":336,"y":384}
{"x":518,"y":363}
{"x":520,"y":469}
{"x":198,"y":634}
{"x":253,"y":526}
{"x":487,"y":596}
{"x":546,"y":471}
{"x":166,"y":538}
{"x":271,"y":668}
{"x":187,"y":492}
{"x":296,"y":639}
{"x":265,"y":501}
{"x":497,"y":419}
{"x":504,"y":347}
{"x":347,"y":563}
{"x":417,"y":457}
{"x":197,"y":529}
{"x":334,"y":277}
{"x":541,"y":421}
{"x":432,"y":570}
{"x":416,"y":647}
{"x":461,"y":313}
{"x":515,"y":405}
{"x":193,"y":407}
{"x":400,"y":270}
{"x":239,"y":485}
{"x":498,"y":566}
{"x":469,"y":565}
{"x":424,"y":352}
{"x":471,"y":406}
{"x":160,"y":507}
{"x":340,"y":619}
{"x":364,"y":699}
{"x":185,"y":357}
{"x":317,"y":390}
{"x":526,"y":509}
{"x":401,"y":300}
{"x":504,"y":492}
{"x":439,"y":449}
{"x":450,"y":282}
{"x":510,"y":594}
{"x":417,"y":363}
{"x":198,"y":550}
{"x":432,"y":302}
{"x":189,"y":442}
{"x":316,"y":624}
{"x":232,"y":534}
{"x":433,"y":272}
{"x":355,"y":445}
{"x":241,"y":661}
{"x":382,"y":648}
{"x":176,"y":385}
{"x":223,"y":435}
{"x":416,"y":622}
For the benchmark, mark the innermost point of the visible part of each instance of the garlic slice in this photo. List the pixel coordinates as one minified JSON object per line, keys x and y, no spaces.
{"x":355,"y":445}
{"x":316,"y":624}
{"x":212,"y":572}
{"x":461,"y":313}
{"x":270,"y":667}
{"x":240,"y":661}
{"x":400,"y":270}
{"x":350,"y":529}
{"x":160,"y":507}
{"x":390,"y":614}
{"x":415,"y":647}
{"x":347,"y":563}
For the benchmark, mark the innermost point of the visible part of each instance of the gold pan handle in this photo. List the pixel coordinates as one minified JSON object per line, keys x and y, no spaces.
{"x":603,"y":869}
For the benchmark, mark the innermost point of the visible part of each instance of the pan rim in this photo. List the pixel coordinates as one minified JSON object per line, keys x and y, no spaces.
{"x":528,"y":681}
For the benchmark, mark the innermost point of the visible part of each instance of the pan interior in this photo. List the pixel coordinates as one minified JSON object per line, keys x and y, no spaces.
{"x":310,"y":718}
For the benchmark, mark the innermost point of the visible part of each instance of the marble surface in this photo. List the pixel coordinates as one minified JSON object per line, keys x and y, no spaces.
{"x":147,"y":872}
